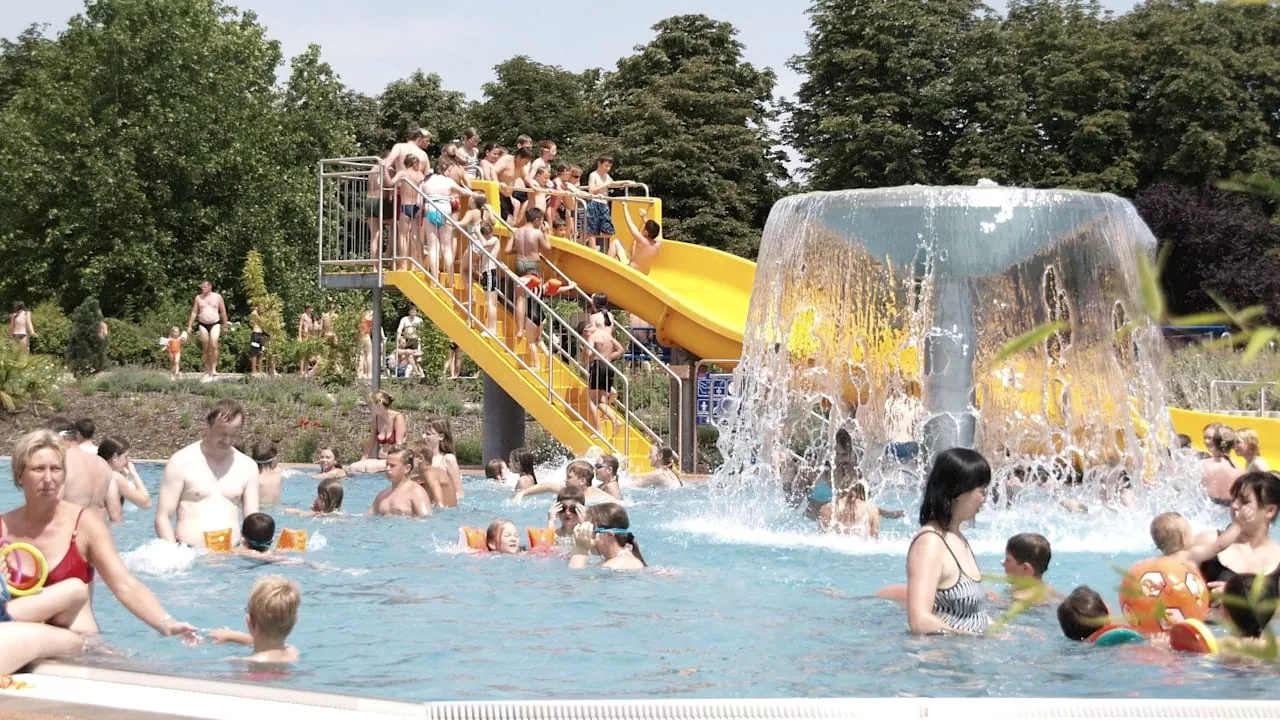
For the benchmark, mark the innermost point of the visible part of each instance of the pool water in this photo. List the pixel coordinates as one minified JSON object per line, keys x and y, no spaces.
{"x":730,"y":608}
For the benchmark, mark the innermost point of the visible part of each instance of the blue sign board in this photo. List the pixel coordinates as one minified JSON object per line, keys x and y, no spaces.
{"x":712,"y":397}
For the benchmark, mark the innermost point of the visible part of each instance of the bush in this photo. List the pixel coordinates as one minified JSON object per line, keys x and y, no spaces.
{"x":1192,"y":369}
{"x":86,"y":348}
{"x":302,"y":448}
{"x":129,"y":344}
{"x":469,"y":451}
{"x":26,"y":380}
{"x":53,"y":327}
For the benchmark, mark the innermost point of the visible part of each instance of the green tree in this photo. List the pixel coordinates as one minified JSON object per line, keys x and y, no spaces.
{"x":878,"y":105}
{"x":184,"y":174}
{"x":86,"y":348}
{"x":420,"y":100}
{"x":1205,"y":90}
{"x":542,"y":101}
{"x":16,"y":59}
{"x":691,"y":119}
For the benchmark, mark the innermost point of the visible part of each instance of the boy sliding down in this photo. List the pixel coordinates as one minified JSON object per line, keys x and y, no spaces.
{"x":271,"y":615}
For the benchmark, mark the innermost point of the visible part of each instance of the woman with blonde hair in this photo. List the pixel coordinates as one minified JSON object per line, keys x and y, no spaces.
{"x":1218,"y":470}
{"x":389,"y":429}
{"x":76,"y":544}
{"x":1248,"y":448}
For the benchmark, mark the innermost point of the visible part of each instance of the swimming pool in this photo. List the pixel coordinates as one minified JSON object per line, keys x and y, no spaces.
{"x":732,"y":609}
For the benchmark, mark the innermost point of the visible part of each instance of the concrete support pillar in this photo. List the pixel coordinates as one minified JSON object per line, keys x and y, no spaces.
{"x":683,"y":414}
{"x":502,"y":429}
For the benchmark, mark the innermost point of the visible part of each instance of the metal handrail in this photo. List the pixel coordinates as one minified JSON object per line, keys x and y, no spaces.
{"x":475,"y":246}
{"x":1262,"y":392}
{"x":626,"y":332}
{"x":626,"y":405}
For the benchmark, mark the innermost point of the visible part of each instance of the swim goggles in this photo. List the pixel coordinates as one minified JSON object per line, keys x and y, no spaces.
{"x":612,"y":531}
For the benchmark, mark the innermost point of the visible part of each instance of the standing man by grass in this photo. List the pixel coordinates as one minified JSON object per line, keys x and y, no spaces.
{"x":211,"y":311}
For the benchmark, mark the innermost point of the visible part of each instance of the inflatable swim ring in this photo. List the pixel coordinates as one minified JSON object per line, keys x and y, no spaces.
{"x":1193,"y":636}
{"x":1116,"y":634}
{"x":16,"y":579}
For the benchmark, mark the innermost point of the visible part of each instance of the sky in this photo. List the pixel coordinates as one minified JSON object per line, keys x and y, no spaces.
{"x":575,"y":35}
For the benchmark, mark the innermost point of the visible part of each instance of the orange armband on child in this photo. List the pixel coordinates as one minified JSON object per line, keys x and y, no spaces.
{"x":218,"y":540}
{"x":475,"y":539}
{"x":541,"y":538}
{"x":295,"y":540}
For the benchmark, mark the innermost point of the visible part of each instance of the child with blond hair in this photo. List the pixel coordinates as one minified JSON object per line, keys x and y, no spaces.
{"x":271,"y":615}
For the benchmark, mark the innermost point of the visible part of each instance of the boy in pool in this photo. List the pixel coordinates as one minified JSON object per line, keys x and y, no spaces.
{"x":1026,"y":560}
{"x":1173,"y":536}
{"x":496,"y":470}
{"x":271,"y":615}
{"x":579,"y":473}
{"x":1083,"y":613}
{"x":270,"y":479}
{"x":1248,"y":615}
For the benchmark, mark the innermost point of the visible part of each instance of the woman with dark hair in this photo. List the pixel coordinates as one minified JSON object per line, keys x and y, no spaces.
{"x":521,"y":461}
{"x":1255,"y":500}
{"x":125,"y":480}
{"x":606,"y":529}
{"x":944,"y":585}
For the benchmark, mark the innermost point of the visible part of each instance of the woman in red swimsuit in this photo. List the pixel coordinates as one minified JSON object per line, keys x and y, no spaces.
{"x":75,"y":543}
{"x":390,"y":428}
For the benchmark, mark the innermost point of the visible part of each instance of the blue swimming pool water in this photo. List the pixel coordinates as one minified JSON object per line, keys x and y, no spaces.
{"x":731,"y":609}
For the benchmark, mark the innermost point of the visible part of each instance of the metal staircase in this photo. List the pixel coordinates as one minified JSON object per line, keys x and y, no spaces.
{"x":353,"y":254}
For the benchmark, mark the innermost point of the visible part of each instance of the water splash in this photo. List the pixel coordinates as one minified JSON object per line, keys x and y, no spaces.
{"x":881,"y":313}
{"x":160,"y":558}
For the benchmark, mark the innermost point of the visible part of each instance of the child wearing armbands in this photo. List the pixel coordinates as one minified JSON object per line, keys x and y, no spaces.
{"x":1249,"y":603}
{"x":1083,"y":615}
{"x":271,"y":615}
{"x":503,"y":537}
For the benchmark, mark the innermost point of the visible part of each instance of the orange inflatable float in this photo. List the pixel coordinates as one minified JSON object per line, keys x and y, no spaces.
{"x":1159,"y":593}
{"x":541,"y":538}
{"x":295,"y":540}
{"x":218,"y":540}
{"x":475,"y":539}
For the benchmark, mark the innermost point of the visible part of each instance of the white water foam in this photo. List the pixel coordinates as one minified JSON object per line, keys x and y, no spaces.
{"x":161,"y":558}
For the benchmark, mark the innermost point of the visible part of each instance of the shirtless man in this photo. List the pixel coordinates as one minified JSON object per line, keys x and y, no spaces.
{"x":308,"y":327}
{"x":404,"y":497}
{"x":90,"y":482}
{"x":416,"y":146}
{"x":211,"y":311}
{"x":508,"y":169}
{"x":648,"y":239}
{"x":208,"y":482}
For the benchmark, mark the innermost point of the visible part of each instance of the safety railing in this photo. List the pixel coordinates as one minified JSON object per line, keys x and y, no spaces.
{"x":625,"y":407}
{"x":1214,"y":396}
{"x":630,"y":340}
{"x":350,"y":222}
{"x":553,"y":329}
